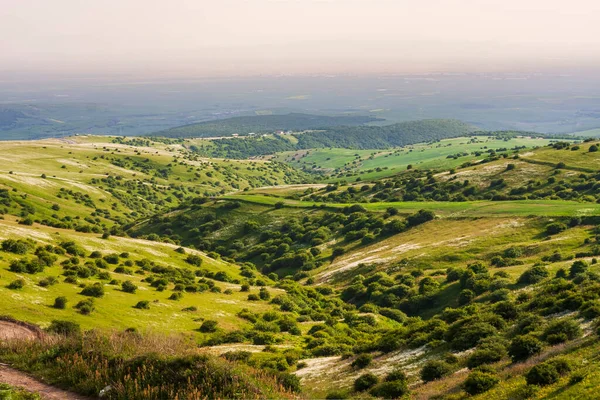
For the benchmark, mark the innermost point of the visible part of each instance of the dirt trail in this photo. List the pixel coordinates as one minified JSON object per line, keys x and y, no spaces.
{"x":14,"y":330}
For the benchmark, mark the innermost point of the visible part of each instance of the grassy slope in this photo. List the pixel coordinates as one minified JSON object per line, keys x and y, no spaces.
{"x":447,"y":209}
{"x":115,"y":309}
{"x":421,"y":156}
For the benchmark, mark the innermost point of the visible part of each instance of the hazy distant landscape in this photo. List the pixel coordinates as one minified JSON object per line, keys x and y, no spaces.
{"x":285,"y":199}
{"x":543,"y":103}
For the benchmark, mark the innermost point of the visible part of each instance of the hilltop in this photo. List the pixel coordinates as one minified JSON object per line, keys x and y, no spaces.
{"x":262,"y":124}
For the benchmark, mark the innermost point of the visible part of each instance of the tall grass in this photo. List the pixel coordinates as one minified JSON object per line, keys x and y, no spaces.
{"x":137,"y":366}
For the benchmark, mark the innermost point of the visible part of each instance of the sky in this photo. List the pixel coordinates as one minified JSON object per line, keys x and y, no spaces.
{"x":262,"y":37}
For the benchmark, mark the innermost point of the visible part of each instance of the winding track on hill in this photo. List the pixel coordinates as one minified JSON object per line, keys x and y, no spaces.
{"x":13,"y":330}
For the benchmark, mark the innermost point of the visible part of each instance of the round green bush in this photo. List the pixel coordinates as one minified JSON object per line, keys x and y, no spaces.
{"x":60,"y":302}
{"x":365,"y":382}
{"x":436,"y":369}
{"x":523,"y":347}
{"x":542,"y":374}
{"x":362,"y":361}
{"x":390,"y":390}
{"x":480,"y":382}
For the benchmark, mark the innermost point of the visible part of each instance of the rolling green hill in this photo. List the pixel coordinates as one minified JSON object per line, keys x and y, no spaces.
{"x":466,"y":275}
{"x":262,"y":124}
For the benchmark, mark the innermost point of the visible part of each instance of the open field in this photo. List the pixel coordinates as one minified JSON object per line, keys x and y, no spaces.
{"x":372,"y":164}
{"x":450,"y":210}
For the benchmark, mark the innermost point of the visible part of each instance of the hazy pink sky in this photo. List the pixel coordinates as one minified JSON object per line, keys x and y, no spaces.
{"x":237,"y":37}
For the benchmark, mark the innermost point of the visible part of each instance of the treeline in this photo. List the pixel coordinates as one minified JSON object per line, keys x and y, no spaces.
{"x":263,"y":124}
{"x":349,"y":137}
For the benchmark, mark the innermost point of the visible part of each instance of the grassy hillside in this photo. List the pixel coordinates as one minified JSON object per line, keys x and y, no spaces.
{"x":262,"y":124}
{"x":337,"y":164}
{"x":98,"y":183}
{"x":470,"y":275}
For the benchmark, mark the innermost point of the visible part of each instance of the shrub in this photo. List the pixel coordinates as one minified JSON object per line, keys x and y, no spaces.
{"x":465,"y":296}
{"x":16,"y":284}
{"x":95,"y":290}
{"x":60,"y":303}
{"x":65,"y":328}
{"x":365,"y":382}
{"x":562,"y":330}
{"x":555,"y":227}
{"x":86,"y":306}
{"x":142,"y":305}
{"x":480,"y":382}
{"x":542,"y":375}
{"x":194,"y":259}
{"x":15,"y":246}
{"x":390,"y":390}
{"x":523,"y":347}
{"x":362,"y":361}
{"x":434,"y":370}
{"x":533,"y":275}
{"x":337,"y":395}
{"x":208,"y":326}
{"x":578,"y":267}
{"x":128,"y":287}
{"x":491,"y":350}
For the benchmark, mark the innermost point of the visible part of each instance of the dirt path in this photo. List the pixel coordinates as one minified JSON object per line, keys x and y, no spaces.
{"x":14,"y":330}
{"x":19,"y":379}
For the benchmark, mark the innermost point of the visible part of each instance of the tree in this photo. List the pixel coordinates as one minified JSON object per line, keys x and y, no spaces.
{"x":593,"y":148}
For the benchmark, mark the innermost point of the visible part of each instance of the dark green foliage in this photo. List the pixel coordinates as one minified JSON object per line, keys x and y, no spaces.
{"x":142,"y":305}
{"x":533,"y":275}
{"x":523,"y":347}
{"x":555,"y":227}
{"x":365,"y":382}
{"x":561,"y":330}
{"x":480,"y":382}
{"x":337,"y":395}
{"x":65,"y":328}
{"x":578,"y":267}
{"x":16,"y":284}
{"x":542,"y":374}
{"x":60,"y":302}
{"x":208,"y":326}
{"x":128,"y":287}
{"x":465,"y":296}
{"x":362,"y":361}
{"x":194,"y":260}
{"x":390,"y":389}
{"x":95,"y":290}
{"x":16,"y":246}
{"x":433,"y":370}
{"x":489,"y":351}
